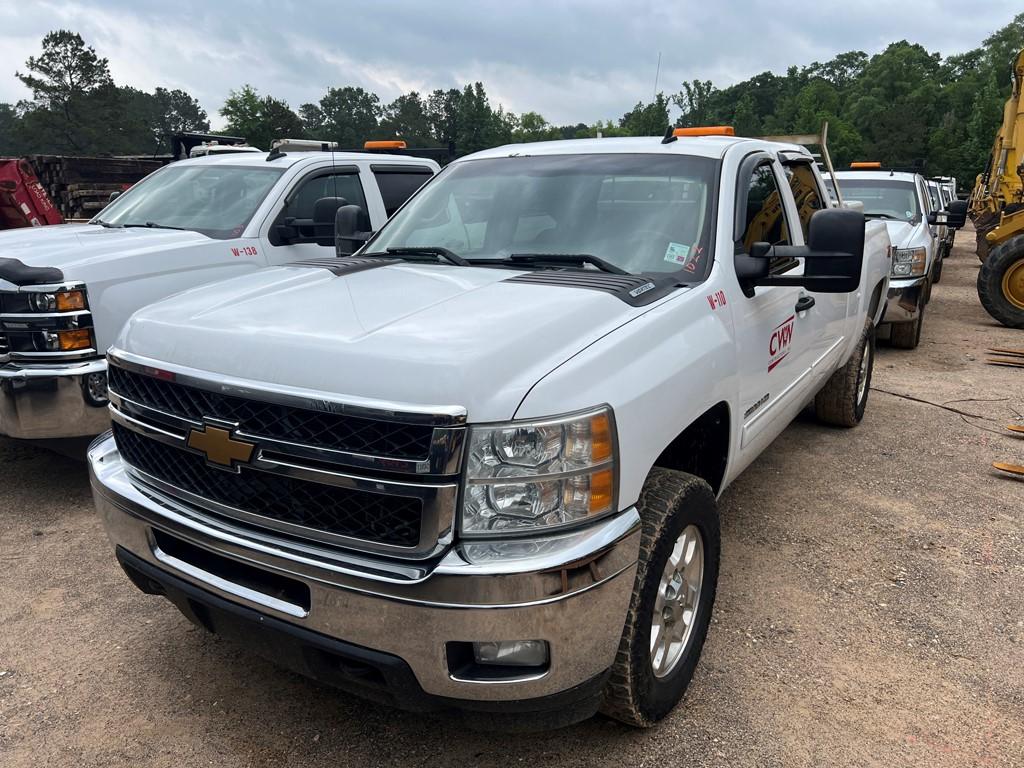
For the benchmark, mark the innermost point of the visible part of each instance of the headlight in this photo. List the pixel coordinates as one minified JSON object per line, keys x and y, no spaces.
{"x":537,"y":475}
{"x":909,"y":262}
{"x":65,"y":301}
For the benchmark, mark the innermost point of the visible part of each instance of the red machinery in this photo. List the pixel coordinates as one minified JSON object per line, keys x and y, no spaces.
{"x":23,"y":201}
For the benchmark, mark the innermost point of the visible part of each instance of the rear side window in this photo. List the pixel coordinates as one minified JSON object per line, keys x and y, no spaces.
{"x":397,"y":185}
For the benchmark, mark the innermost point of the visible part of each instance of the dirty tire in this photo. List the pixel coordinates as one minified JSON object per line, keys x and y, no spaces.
{"x":1001,"y":259}
{"x":983,"y":224}
{"x":842,"y":400}
{"x":937,"y":271}
{"x":908,"y":335}
{"x":669,"y":502}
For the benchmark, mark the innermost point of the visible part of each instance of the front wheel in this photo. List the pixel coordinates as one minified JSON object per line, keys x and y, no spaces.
{"x":908,"y":335}
{"x":1001,"y":282}
{"x":937,"y":270}
{"x":673,"y":594}
{"x":845,"y":396}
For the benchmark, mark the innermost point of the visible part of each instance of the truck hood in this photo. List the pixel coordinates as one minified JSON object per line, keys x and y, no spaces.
{"x":424,"y":335}
{"x":76,"y":248}
{"x":904,"y":234}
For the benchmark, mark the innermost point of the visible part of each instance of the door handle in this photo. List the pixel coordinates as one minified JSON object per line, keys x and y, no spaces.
{"x":804,"y":303}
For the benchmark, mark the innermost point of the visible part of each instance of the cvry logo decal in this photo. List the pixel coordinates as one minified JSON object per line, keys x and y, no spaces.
{"x":778,"y":344}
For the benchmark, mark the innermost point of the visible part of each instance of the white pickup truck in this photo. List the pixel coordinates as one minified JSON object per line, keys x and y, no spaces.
{"x":901,"y":200}
{"x":475,"y":466}
{"x":66,"y":290}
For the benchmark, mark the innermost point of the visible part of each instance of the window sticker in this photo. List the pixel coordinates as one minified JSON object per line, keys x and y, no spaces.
{"x":677,"y":253}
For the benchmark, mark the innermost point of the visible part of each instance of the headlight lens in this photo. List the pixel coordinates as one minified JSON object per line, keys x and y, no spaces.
{"x":909,"y":262}
{"x":537,"y":475}
{"x":65,"y":301}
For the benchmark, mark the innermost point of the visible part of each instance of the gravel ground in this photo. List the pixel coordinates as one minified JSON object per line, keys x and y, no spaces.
{"x":869,"y":610}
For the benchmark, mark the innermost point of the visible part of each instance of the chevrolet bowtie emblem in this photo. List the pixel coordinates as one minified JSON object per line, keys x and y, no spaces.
{"x":219,"y":446}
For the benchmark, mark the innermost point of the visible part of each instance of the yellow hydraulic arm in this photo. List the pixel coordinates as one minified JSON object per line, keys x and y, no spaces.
{"x":1002,"y":183}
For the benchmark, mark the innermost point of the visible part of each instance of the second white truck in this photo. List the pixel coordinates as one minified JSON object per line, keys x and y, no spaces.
{"x":474,"y":467}
{"x":66,"y":290}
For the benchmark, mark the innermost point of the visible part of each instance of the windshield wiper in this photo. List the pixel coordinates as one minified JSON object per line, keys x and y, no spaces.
{"x":106,"y":224}
{"x":154,"y":225}
{"x":564,"y":259}
{"x":427,"y":250}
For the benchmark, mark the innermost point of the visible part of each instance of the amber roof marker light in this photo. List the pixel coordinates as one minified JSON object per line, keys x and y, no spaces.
{"x":706,"y":130}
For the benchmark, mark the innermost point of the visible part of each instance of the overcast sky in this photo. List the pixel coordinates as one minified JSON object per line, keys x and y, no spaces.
{"x":570,"y":60}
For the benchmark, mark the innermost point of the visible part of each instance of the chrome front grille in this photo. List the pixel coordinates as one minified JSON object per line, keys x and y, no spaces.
{"x":379,"y":479}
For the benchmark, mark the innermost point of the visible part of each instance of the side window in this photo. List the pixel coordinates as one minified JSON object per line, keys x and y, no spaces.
{"x":344,"y":185}
{"x":397,"y":187}
{"x":803,"y":183}
{"x":766,"y":216}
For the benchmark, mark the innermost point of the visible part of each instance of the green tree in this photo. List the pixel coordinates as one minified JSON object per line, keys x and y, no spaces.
{"x":694,"y":101}
{"x":406,"y":118}
{"x":260,"y":119}
{"x":351,"y":115}
{"x":72,"y":93}
{"x":646,"y":119}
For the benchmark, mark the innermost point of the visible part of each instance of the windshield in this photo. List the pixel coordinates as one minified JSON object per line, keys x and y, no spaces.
{"x":884,"y":198}
{"x":639,"y":213}
{"x":216,"y":200}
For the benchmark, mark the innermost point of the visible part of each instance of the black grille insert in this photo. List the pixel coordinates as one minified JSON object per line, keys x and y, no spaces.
{"x":378,"y":518}
{"x":278,"y":422}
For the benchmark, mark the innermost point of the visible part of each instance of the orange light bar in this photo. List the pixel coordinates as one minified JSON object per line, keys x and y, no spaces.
{"x":866,"y":165}
{"x":399,"y":144}
{"x":706,"y":130}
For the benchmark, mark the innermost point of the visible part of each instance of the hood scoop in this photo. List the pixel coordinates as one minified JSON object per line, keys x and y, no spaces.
{"x":635,"y":290}
{"x":14,"y":271}
{"x":345,"y":265}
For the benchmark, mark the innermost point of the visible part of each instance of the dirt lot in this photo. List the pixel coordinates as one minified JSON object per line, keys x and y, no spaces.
{"x":870,"y":611}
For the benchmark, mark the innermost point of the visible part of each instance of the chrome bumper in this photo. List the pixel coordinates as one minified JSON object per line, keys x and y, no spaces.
{"x":903,"y":301}
{"x":571,"y":590}
{"x":48,"y":401}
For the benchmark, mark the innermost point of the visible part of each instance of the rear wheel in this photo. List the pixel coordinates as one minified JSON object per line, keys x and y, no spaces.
{"x":673,"y":594}
{"x":845,"y":396}
{"x":1001,"y":282}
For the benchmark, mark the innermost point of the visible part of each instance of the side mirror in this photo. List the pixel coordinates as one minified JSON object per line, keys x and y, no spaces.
{"x":956,"y":214}
{"x":324,"y":211}
{"x":348,"y":232}
{"x":936,"y":218}
{"x":833,"y":257}
{"x":854,"y":205}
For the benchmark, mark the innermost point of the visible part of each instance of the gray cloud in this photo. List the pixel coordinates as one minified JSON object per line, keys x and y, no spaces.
{"x":570,"y":60}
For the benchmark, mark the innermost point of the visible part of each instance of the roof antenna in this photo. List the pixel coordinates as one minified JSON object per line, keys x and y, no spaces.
{"x":657,"y":74}
{"x":669,"y":136}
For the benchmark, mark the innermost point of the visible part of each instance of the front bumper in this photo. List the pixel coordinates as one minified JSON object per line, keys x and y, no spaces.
{"x":571,"y":590}
{"x":903,"y":302}
{"x":49,"y":401}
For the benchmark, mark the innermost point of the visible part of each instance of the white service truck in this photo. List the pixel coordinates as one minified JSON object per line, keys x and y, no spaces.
{"x":67,"y":290}
{"x":474,"y":467}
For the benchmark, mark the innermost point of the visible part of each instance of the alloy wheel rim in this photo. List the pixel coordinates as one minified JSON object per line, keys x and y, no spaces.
{"x":1013,"y":284}
{"x":862,"y":374}
{"x":677,"y":601}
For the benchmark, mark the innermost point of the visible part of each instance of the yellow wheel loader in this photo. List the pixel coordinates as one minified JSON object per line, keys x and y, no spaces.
{"x":996,"y":207}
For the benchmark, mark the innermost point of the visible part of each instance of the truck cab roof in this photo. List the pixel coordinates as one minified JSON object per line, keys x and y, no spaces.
{"x":292,"y":159}
{"x":701,"y":146}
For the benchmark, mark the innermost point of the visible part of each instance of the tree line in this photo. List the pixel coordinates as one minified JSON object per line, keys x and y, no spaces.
{"x":904,"y":107}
